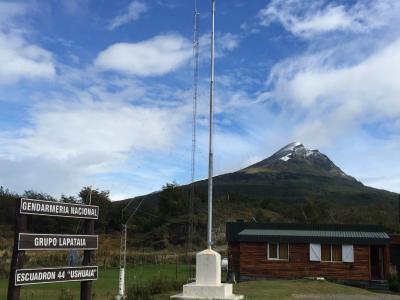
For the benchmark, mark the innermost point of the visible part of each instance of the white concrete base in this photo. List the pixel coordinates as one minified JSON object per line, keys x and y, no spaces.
{"x":208,"y":280}
{"x":183,"y":297}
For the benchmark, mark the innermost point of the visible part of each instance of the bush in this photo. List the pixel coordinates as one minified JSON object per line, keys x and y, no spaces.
{"x":138,"y":291}
{"x":65,"y":295}
{"x":4,"y":267}
{"x":394,"y":283}
{"x":144,"y":290}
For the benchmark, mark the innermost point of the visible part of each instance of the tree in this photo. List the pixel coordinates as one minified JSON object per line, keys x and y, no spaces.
{"x":173,"y":200}
{"x":102,"y":200}
{"x":7,"y":206}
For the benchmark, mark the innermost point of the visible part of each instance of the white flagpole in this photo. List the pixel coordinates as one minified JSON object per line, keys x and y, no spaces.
{"x":210,"y":156}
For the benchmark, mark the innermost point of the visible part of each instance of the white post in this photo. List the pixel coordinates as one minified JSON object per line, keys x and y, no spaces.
{"x":122,"y":263}
{"x":121,"y":283}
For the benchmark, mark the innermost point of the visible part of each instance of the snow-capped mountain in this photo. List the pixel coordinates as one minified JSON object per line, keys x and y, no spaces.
{"x":294,"y":156}
{"x":295,"y":184}
{"x":294,"y":172}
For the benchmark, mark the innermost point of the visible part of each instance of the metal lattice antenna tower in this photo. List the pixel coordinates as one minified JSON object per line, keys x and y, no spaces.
{"x":196,"y":31}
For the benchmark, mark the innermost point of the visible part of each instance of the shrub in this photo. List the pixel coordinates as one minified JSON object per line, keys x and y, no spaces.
{"x":4,"y":269}
{"x":65,"y":295}
{"x":394,"y":283}
{"x":144,"y":290}
{"x":138,"y":291}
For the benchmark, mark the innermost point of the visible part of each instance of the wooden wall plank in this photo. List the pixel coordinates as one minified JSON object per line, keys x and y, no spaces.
{"x":250,"y":259}
{"x":234,"y":257}
{"x":386,"y":261}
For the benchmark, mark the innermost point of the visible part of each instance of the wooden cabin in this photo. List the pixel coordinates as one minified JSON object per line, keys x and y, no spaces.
{"x":348,"y":253}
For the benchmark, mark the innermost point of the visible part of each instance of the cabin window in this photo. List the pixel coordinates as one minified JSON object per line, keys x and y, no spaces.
{"x":331,"y":252}
{"x":278,"y":251}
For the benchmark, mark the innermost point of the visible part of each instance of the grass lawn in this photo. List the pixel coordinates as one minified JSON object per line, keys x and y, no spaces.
{"x":300,"y":289}
{"x":104,"y":288}
{"x":303,"y":289}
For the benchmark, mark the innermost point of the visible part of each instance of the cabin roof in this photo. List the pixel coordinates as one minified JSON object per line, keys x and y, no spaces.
{"x":306,"y":233}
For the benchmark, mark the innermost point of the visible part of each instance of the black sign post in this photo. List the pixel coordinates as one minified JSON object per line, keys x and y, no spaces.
{"x":88,"y":258}
{"x":40,"y":241}
{"x":17,"y":260}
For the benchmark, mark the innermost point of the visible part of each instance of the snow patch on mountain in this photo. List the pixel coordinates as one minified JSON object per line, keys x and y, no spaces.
{"x":294,"y":149}
{"x":286,"y":157}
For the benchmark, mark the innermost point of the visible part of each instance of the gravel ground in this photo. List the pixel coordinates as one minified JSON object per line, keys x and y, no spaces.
{"x":345,"y":297}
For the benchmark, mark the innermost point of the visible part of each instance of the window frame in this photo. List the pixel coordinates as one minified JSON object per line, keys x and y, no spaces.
{"x":278,"y":253}
{"x":331,"y":254}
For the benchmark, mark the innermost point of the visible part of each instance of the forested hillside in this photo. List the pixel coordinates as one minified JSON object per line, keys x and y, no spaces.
{"x":293,"y":185}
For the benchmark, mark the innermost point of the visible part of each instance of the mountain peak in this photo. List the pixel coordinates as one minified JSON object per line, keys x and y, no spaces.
{"x":296,"y":158}
{"x":295,"y":149}
{"x":291,"y":146}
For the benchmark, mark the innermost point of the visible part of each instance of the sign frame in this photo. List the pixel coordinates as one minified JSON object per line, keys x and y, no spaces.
{"x":23,"y":212}
{"x":56,"y":236}
{"x":56,"y":281}
{"x":21,"y":226}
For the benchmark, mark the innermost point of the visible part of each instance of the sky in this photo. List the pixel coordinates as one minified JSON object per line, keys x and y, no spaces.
{"x":100,"y":92}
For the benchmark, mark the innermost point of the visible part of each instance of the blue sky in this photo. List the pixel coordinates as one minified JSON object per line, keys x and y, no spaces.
{"x":100,"y":92}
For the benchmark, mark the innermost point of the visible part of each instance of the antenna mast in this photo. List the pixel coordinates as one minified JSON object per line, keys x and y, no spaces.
{"x":210,"y":155}
{"x":122,"y":253}
{"x":194,"y":121}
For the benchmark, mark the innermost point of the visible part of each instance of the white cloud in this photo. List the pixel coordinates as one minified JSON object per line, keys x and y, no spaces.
{"x":336,"y":97}
{"x":224,"y":43}
{"x":228,"y":41}
{"x":308,"y":19}
{"x":63,"y":130}
{"x":68,"y":144}
{"x":327,"y":100}
{"x":22,"y":60}
{"x":157,"y":56}
{"x":19,"y":58}
{"x":133,"y":13}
